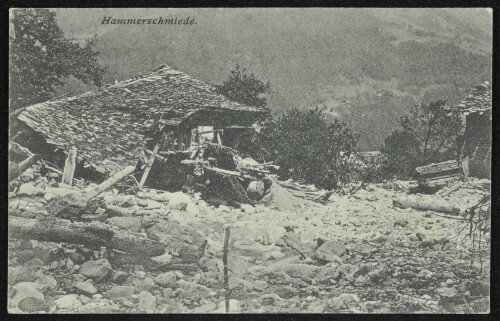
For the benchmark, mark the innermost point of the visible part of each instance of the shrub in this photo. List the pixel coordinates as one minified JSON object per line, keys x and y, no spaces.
{"x":308,"y":148}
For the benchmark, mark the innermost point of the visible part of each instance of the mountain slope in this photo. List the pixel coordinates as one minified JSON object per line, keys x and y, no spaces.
{"x":364,"y":66}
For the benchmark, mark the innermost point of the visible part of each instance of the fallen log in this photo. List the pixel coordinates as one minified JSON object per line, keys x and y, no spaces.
{"x":59,"y":230}
{"x":425,"y":205}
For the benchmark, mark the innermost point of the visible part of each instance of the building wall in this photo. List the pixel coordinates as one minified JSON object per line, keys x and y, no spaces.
{"x":478,"y":144}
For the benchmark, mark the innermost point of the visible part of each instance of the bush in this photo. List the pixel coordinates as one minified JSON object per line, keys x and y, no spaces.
{"x":308,"y":148}
{"x":426,"y":135}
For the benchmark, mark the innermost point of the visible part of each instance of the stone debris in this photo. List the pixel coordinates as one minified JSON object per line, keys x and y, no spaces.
{"x":354,"y":254}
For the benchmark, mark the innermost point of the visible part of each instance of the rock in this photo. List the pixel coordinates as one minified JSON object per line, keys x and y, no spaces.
{"x":132,"y":224}
{"x":119,"y":277}
{"x":26,"y":290}
{"x":302,"y":271}
{"x":167,"y":280}
{"x":255,"y":190}
{"x":180,"y":206}
{"x":85,"y":299}
{"x":282,"y":264}
{"x":269,"y":299}
{"x":247,"y":208}
{"x":151,"y":205}
{"x":364,"y":249}
{"x":97,"y":270}
{"x":115,"y":211}
{"x":77,"y":258}
{"x":329,"y":271}
{"x":421,"y":237}
{"x":192,"y":290}
{"x":33,"y":264}
{"x":235,"y":306}
{"x":401,"y":222}
{"x":343,"y":301}
{"x":447,"y":292}
{"x":259,"y":285}
{"x":147,"y":302}
{"x":33,"y":305}
{"x":120,"y":291}
{"x":479,"y":289}
{"x":146,"y":284}
{"x":274,"y":255}
{"x":69,"y":301}
{"x":329,"y":247}
{"x":28,"y":189}
{"x":47,"y":281}
{"x":86,"y":288}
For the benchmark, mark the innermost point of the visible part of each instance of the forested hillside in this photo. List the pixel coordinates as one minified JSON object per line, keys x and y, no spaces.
{"x":364,"y":66}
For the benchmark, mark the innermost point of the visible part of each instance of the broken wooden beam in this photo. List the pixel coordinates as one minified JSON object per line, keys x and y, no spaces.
{"x":24,"y":165}
{"x":426,"y":205}
{"x":112,"y":181}
{"x":59,"y":230}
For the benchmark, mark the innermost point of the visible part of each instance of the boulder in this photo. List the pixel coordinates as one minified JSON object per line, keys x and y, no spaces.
{"x":147,"y":302}
{"x":33,"y":264}
{"x":329,"y":271}
{"x":260,"y":285}
{"x":120,"y":292}
{"x":119,"y":277}
{"x":344,"y":301}
{"x":330,"y":251}
{"x":145,"y":284}
{"x":26,"y":290}
{"x":447,"y":292}
{"x":255,"y":190}
{"x":69,"y":301}
{"x":97,"y":270}
{"x":301,"y":271}
{"x":31,"y":305}
{"x":86,"y":287}
{"x":115,"y":211}
{"x":28,"y":189}
{"x":132,"y":224}
{"x":167,"y":280}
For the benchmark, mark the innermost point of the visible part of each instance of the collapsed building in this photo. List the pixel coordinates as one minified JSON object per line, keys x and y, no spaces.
{"x":474,"y":157}
{"x":157,"y":121}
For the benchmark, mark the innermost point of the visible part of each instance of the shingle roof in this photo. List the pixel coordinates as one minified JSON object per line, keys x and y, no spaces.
{"x":108,"y":127}
{"x":477,"y":101}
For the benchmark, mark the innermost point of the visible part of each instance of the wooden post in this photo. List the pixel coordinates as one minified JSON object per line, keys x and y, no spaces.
{"x":149,"y":164}
{"x":69,"y":167}
{"x":224,"y":259}
{"x":219,"y":139}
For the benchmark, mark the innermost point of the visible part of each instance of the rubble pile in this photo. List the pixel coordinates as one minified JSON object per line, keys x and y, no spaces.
{"x":356,"y":254}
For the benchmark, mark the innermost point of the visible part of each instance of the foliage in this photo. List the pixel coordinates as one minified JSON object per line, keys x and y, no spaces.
{"x":308,"y":148}
{"x":40,"y":56}
{"x":426,"y":135}
{"x":245,"y":89}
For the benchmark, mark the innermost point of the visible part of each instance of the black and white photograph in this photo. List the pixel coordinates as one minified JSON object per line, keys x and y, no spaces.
{"x":249,"y":160}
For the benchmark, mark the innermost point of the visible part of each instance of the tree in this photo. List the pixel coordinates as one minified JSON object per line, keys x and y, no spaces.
{"x":245,"y":89}
{"x":308,"y":148}
{"x":426,"y":135}
{"x":40,"y":56}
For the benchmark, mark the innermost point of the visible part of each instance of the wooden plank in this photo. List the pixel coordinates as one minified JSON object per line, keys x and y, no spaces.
{"x":149,"y":165}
